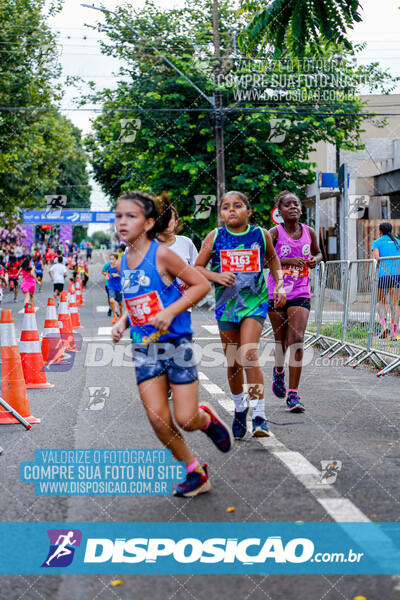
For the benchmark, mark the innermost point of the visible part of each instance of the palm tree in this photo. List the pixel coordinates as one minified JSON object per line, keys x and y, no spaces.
{"x":296,"y":24}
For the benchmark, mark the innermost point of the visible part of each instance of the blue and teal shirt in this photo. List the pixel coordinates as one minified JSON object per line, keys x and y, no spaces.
{"x":248,"y":296}
{"x":387,"y":247}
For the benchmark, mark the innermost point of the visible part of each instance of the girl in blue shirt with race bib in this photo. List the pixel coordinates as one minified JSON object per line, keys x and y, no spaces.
{"x":160,"y":326}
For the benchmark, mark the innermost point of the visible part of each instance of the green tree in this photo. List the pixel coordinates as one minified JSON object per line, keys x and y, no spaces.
{"x":73,"y":179}
{"x":99,"y":238}
{"x":36,"y":143}
{"x":296,"y":25}
{"x":172,"y":144}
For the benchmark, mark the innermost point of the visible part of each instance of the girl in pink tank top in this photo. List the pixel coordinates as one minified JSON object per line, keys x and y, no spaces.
{"x":297,"y":248}
{"x":28,"y":285}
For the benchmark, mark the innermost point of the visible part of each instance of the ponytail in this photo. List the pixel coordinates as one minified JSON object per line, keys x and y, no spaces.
{"x":166,"y":211}
{"x":386,"y":229}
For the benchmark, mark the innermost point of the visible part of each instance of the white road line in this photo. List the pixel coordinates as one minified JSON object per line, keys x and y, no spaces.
{"x":211,"y":328}
{"x":343,"y":510}
{"x":104,"y":331}
{"x":339,"y":509}
{"x":102,"y":309}
{"x":211,"y":388}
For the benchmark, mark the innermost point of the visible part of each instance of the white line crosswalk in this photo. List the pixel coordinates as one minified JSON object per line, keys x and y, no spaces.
{"x":339,"y":509}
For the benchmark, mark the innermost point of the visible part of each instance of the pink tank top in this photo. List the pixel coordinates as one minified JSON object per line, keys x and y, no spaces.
{"x":27,"y":276}
{"x":296,"y":280}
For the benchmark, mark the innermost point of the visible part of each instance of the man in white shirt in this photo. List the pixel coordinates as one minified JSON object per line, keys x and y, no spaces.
{"x":57,"y":274}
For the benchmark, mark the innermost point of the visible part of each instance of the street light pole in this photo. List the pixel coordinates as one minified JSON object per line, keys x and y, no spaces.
{"x":219,"y":110}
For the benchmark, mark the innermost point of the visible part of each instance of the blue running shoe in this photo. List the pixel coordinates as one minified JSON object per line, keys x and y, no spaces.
{"x":278,"y":383}
{"x":196,"y":482}
{"x":260,"y":428}
{"x":239,"y":426}
{"x":293,"y":403}
{"x":217,"y":430}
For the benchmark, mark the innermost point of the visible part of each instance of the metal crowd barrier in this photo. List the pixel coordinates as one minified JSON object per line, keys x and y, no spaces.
{"x":332,"y":314}
{"x":350,"y":301}
{"x":356,"y":298}
{"x":317,"y":277}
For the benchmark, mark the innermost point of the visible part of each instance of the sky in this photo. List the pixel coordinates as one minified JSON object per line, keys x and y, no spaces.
{"x":79,"y":52}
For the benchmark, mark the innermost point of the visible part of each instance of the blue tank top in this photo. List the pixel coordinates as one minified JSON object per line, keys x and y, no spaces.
{"x":38,"y":267}
{"x":146,"y":294}
{"x":248,"y":296}
{"x":114,"y":283}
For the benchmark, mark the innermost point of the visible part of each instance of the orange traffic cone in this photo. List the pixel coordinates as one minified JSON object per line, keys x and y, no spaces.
{"x":31,"y":353}
{"x":64,"y":321}
{"x":73,"y":311}
{"x":78,"y":290}
{"x":52,"y":347}
{"x":13,"y":386}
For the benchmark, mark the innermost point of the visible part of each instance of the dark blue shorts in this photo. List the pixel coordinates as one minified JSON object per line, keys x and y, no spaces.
{"x":388,"y":281}
{"x":174,"y":358}
{"x":116,"y":294}
{"x":229,"y":325}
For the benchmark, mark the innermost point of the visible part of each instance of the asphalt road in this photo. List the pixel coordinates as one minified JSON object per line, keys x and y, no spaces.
{"x":351,"y":417}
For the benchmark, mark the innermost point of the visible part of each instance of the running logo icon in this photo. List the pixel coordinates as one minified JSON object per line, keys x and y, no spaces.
{"x":133,"y":280}
{"x":62,"y":547}
{"x":330,"y":470}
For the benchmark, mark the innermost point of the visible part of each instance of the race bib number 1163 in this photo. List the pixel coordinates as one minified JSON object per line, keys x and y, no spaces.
{"x":240,"y":261}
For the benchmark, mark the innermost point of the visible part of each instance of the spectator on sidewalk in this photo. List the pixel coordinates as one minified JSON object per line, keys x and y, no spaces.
{"x":389,"y":279}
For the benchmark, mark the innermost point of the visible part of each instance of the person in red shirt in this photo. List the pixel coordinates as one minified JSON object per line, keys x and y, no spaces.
{"x":37,"y":255}
{"x":48,"y":255}
{"x":12,"y":270}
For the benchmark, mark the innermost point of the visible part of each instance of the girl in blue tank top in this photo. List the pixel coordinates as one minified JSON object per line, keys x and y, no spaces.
{"x":159,"y":321}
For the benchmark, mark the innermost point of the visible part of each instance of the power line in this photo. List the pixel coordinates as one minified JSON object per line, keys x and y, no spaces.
{"x":301,"y":109}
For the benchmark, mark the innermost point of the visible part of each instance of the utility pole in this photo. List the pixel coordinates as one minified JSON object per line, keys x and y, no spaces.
{"x":219,"y":110}
{"x":339,"y":239}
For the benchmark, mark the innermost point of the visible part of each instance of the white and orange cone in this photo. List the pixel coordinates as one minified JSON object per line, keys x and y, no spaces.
{"x":64,"y":321}
{"x":52,"y":347}
{"x":73,"y":311}
{"x":31,"y":353}
{"x":79,"y":290}
{"x":13,"y":388}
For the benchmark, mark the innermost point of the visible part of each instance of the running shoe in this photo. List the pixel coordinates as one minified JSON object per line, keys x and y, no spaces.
{"x":109,"y":312}
{"x":217,"y":431}
{"x":239,"y":426}
{"x":293,"y":403}
{"x":196,"y":482}
{"x":384,"y":333}
{"x":260,"y":428}
{"x":278,"y":383}
{"x":115,"y":319}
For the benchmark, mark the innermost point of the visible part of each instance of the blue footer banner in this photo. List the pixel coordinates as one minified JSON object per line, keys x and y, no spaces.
{"x":210,"y":548}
